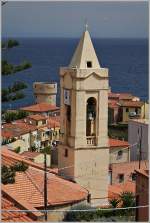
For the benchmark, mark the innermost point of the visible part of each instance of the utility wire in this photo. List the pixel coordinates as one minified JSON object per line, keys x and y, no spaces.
{"x":75,"y":210}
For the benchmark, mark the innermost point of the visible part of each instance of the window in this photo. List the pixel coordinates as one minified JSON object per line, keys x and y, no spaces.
{"x":89,"y":64}
{"x":66,"y":152}
{"x":69,"y":113}
{"x":121,"y":178}
{"x":136,"y":110}
{"x":133,"y":176}
{"x":120,"y":153}
{"x":127,"y":109}
{"x":44,"y":122}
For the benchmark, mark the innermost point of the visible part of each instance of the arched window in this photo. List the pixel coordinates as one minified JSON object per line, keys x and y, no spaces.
{"x":91,"y":117}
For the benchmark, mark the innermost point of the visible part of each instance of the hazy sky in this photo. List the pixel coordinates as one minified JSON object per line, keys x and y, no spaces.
{"x":66,"y":19}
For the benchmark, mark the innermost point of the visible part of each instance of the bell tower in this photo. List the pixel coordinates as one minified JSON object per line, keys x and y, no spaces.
{"x":83,"y":155}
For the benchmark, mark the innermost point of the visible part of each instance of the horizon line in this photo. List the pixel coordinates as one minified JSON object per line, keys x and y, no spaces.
{"x":70,"y":37}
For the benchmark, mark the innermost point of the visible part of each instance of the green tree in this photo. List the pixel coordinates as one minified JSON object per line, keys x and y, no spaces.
{"x":81,"y":215}
{"x":8,"y":175}
{"x":128,"y":199}
{"x":6,"y":68}
{"x":20,"y":166}
{"x":17,"y":149}
{"x":11,"y":43}
{"x":5,"y":93}
{"x":46,"y":150}
{"x":18,"y":95}
{"x":11,"y":116}
{"x":114,"y":202}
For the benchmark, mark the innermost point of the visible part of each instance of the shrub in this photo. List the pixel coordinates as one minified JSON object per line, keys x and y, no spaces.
{"x":81,"y":216}
{"x":114,"y":202}
{"x":20,"y":166}
{"x":17,"y":149}
{"x":46,"y":150}
{"x":11,"y":43}
{"x":11,"y":116}
{"x":128,"y":199}
{"x":8,"y":175}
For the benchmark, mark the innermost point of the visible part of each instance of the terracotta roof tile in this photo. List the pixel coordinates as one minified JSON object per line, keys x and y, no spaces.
{"x":143,"y":172}
{"x":13,"y":216}
{"x":41,"y":107}
{"x":116,"y":189}
{"x":113,"y":104}
{"x":131,"y":103}
{"x":30,"y":155}
{"x":120,"y":96}
{"x":16,"y":129}
{"x":117,"y":143}
{"x":29,"y":187}
{"x":53,"y":123}
{"x":9,"y":158}
{"x":37,"y":117}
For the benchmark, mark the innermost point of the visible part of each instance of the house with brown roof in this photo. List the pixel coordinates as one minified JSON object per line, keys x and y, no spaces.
{"x":33,"y":132}
{"x":18,"y":134}
{"x":36,"y":157}
{"x":123,"y":172}
{"x":42,"y":108}
{"x":129,"y":110}
{"x":29,"y":188}
{"x":119,"y":151}
{"x":124,"y":106}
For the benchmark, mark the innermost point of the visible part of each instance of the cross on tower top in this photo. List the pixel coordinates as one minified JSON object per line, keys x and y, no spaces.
{"x":86,"y":25}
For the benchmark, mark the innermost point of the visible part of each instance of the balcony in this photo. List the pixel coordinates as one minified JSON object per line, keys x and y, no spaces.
{"x":91,"y":140}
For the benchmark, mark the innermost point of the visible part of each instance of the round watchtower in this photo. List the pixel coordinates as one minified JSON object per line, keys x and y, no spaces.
{"x":45,"y":92}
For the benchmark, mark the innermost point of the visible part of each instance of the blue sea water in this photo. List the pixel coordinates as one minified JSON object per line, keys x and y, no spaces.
{"x":127,"y":60}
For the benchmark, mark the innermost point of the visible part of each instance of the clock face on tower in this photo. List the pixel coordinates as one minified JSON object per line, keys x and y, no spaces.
{"x":66,"y":97}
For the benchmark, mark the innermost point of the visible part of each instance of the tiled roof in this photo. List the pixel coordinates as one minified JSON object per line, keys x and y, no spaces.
{"x":52,"y":122}
{"x":121,"y":96}
{"x":113,"y":104}
{"x":41,"y":107}
{"x":16,"y":129}
{"x":127,"y":168}
{"x":30,"y":155}
{"x":37,"y":117}
{"x":131,"y":103}
{"x":116,"y":189}
{"x":117,"y":143}
{"x":9,"y":158}
{"x":29,"y":186}
{"x":113,"y":95}
{"x":13,"y":216}
{"x":143,"y":172}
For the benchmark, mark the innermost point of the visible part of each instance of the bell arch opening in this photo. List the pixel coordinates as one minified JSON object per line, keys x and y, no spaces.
{"x":91,"y":117}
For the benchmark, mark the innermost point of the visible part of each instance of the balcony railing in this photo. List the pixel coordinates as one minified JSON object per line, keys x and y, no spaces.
{"x":91,"y":140}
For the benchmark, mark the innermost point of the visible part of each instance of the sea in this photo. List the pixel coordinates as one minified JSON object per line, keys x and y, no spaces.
{"x":126,"y":59}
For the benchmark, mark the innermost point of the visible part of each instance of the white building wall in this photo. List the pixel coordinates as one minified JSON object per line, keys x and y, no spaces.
{"x":134,"y":133}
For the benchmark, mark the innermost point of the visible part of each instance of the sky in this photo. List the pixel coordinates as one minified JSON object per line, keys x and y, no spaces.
{"x":67,"y":19}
